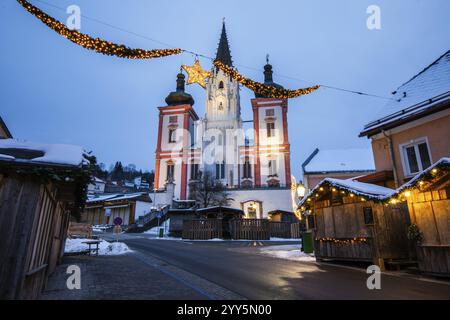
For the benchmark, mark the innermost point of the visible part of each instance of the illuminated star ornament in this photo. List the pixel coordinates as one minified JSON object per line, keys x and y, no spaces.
{"x":196,"y":74}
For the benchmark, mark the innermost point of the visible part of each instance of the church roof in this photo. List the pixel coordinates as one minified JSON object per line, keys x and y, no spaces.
{"x":268,"y":79}
{"x":223,"y":51}
{"x":179,"y":97}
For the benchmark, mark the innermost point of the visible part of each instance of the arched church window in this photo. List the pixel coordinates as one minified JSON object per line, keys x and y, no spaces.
{"x":221,"y":85}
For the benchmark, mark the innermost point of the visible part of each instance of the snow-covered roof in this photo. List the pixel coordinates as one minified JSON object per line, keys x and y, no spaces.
{"x":426,"y":91}
{"x":97,"y":180}
{"x":13,"y":150}
{"x":419,"y":176}
{"x":342,"y":160}
{"x":368,"y":190}
{"x":115,"y":197}
{"x":218,"y":207}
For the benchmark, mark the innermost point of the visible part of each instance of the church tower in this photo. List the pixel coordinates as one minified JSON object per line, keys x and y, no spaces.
{"x":175,"y":138}
{"x":222,"y":124}
{"x":272,"y":149}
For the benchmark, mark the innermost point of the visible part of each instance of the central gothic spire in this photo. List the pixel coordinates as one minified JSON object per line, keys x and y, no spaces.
{"x":223,"y":51}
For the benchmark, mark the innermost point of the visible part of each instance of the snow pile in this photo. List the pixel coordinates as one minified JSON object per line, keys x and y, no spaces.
{"x":51,"y":153}
{"x":153,"y":231}
{"x":105,"y":248}
{"x":287,"y":252}
{"x":284,"y":239}
{"x":100,"y":227}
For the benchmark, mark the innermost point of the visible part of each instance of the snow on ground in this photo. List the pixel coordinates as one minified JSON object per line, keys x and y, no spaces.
{"x":218,"y":239}
{"x":100,"y":228}
{"x":105,"y":248}
{"x":287,"y":252}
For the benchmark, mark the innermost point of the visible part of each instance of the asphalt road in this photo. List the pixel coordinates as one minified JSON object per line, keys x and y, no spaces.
{"x":238,"y":267}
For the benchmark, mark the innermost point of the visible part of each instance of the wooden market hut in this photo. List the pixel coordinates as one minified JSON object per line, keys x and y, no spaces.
{"x":349,"y":221}
{"x":211,"y":222}
{"x":428,"y":197}
{"x":102,"y":209}
{"x":41,"y":187}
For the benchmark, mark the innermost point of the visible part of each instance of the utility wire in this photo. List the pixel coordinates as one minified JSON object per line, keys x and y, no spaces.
{"x":196,"y":54}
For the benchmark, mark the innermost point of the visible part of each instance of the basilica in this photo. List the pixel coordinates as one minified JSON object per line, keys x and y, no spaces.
{"x":250,"y":158}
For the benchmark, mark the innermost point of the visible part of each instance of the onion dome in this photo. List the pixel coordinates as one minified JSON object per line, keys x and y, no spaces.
{"x":179,"y":97}
{"x":268,"y":79}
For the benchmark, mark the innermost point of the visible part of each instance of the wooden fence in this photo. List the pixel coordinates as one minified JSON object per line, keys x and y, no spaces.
{"x":239,"y":229}
{"x":250,"y":229}
{"x":80,"y":230}
{"x":204,"y":229}
{"x":296,"y":230}
{"x":280,"y":229}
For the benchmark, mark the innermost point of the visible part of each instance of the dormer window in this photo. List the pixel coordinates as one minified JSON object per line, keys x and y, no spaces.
{"x":221,"y":85}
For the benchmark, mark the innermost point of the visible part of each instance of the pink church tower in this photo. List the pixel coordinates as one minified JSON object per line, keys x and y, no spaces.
{"x":173,"y":151}
{"x":272,"y":163}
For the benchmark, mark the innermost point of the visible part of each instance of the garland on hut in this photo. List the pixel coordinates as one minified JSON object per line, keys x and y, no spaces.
{"x":422,"y":180}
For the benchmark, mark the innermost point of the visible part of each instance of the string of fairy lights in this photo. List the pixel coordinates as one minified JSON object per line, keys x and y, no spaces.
{"x":96,"y":44}
{"x":265,"y":90}
{"x":420,"y":183}
{"x":122,"y":51}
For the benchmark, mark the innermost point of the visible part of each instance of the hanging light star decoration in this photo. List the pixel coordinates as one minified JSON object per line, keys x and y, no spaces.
{"x":196,"y":74}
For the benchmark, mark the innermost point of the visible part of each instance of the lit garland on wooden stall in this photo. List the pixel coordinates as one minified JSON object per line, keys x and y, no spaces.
{"x":97,"y":44}
{"x":261,"y":88}
{"x":343,"y":241}
{"x":421,"y":181}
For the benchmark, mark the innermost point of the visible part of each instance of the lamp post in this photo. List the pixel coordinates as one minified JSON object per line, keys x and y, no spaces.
{"x":301,"y":190}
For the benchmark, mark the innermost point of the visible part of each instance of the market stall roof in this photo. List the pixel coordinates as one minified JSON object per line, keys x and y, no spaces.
{"x":220,"y":209}
{"x":371,"y":191}
{"x":440,"y":168}
{"x":120,"y":197}
{"x":25,"y":152}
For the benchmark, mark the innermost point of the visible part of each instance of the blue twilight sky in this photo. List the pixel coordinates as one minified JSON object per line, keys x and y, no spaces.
{"x":54,"y":91}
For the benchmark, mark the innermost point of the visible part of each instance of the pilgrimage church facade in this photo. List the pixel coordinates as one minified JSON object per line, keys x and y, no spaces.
{"x":253,"y":164}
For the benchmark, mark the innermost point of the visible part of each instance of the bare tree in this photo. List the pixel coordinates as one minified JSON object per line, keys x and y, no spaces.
{"x":207,"y":191}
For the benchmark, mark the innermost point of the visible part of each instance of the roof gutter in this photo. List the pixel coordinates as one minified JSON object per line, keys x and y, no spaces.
{"x":435,"y":105}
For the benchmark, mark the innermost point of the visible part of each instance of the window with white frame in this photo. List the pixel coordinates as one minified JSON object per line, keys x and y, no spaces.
{"x":273,"y":168}
{"x":170,"y":171}
{"x":172,"y":136}
{"x":416,"y":156}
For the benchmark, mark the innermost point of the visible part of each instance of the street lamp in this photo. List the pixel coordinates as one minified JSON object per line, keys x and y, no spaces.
{"x":301,"y":190}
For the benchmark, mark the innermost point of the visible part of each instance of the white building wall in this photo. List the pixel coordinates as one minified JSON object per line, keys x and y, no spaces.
{"x":142,"y":208}
{"x":271,"y":199}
